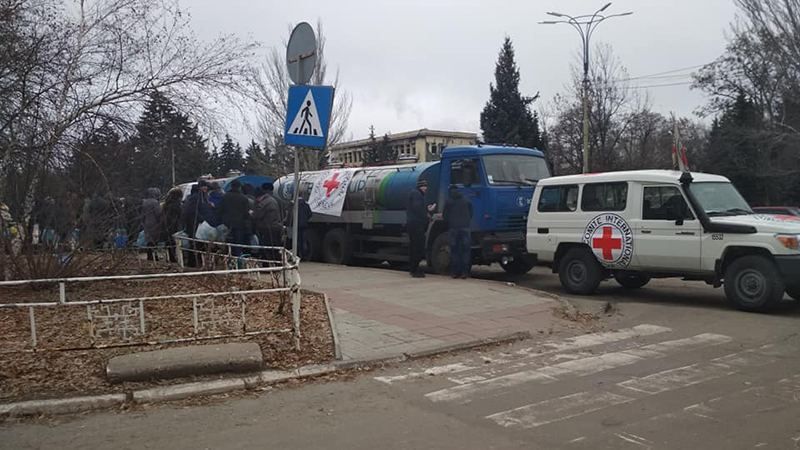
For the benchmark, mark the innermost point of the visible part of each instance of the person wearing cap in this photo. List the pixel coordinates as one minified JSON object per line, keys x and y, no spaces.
{"x":417,"y":224}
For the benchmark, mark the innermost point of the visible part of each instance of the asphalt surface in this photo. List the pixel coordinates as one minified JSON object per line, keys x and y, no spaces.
{"x":673,"y":368}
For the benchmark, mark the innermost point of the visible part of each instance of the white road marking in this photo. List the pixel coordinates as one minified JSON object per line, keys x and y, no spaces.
{"x":437,"y":370}
{"x":574,"y":343}
{"x":557,"y":409}
{"x":681,"y":377}
{"x":578,"y":367}
{"x":578,"y":439}
{"x":634,"y":439}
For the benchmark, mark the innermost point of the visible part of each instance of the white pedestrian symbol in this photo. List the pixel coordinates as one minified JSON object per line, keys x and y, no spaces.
{"x":306,"y":122}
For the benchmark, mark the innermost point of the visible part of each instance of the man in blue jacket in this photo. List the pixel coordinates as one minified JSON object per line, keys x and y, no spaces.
{"x":458,"y":215}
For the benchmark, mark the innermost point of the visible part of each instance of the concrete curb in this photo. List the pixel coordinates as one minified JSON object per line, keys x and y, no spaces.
{"x":337,"y":349}
{"x":225,"y":385}
{"x":61,"y":405}
{"x":499,"y":339}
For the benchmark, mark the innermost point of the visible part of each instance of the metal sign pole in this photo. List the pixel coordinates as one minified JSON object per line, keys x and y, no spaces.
{"x":296,"y":212}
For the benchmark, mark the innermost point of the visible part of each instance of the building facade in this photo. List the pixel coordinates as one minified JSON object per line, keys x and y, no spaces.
{"x":410,"y":146}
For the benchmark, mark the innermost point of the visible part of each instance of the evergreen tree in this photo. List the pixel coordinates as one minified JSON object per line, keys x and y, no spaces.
{"x":230,"y":157}
{"x":164,"y":133}
{"x":507,"y":116}
{"x":256,"y":160}
{"x":734,"y":149}
{"x":371,"y":153}
{"x":102,"y":162}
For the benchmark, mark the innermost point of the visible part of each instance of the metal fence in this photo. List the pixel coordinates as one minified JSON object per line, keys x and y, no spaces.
{"x":211,"y":313}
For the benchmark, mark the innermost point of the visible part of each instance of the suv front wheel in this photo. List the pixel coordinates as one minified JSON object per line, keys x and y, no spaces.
{"x":579,"y":271}
{"x":752,"y":283}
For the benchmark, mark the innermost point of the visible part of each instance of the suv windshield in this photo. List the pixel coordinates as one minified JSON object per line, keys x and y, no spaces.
{"x":515,"y":169}
{"x":720,"y":199}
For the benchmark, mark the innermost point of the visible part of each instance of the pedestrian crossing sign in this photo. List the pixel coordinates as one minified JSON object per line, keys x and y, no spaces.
{"x":308,"y":115}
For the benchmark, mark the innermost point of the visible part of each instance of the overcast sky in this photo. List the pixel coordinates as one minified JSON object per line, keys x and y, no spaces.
{"x":412,"y":64}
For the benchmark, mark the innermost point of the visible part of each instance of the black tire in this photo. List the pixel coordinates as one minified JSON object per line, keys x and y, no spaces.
{"x":579,"y":272}
{"x":794,"y":292}
{"x":337,"y":248}
{"x":631,"y":280}
{"x":439,"y":260}
{"x":517,"y":266}
{"x":752,"y":283}
{"x":314,"y":245}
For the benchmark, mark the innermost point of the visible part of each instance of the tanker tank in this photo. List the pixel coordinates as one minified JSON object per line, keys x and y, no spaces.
{"x":383,"y":188}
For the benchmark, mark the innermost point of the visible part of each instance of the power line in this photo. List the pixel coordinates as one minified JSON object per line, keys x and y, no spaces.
{"x":661,"y":85}
{"x":659,"y":74}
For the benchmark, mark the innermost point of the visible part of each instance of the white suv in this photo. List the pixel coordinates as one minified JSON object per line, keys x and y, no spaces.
{"x":636,"y":225}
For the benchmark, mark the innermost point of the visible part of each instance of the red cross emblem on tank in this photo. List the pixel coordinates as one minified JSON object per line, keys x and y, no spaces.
{"x":331,"y":184}
{"x":607,"y":243}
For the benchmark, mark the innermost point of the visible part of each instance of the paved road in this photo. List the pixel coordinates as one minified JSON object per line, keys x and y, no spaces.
{"x":674,"y":368}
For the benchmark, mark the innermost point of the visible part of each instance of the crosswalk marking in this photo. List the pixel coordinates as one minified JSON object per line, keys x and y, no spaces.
{"x":557,"y":409}
{"x":561,"y":408}
{"x":578,"y":367}
{"x":519,"y":358}
{"x":696,"y":373}
{"x":436,"y":370}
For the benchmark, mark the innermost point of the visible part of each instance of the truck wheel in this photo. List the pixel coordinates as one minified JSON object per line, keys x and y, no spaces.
{"x":794,"y":292}
{"x":439,"y":260}
{"x":631,"y":280}
{"x":752,"y":283}
{"x":517,"y":267}
{"x":337,"y":247}
{"x":579,"y":272}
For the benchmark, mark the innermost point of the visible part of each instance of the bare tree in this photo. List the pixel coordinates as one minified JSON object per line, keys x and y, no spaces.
{"x":96,"y":63}
{"x":271,"y":83}
{"x":612,"y":107}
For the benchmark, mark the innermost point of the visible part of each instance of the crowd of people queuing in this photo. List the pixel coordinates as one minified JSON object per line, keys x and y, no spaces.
{"x":245,"y":215}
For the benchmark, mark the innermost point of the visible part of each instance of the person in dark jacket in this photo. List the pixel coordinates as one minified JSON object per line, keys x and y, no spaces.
{"x":171,"y":220}
{"x":234,"y":211}
{"x":215,"y":195}
{"x":417,"y":224}
{"x":151,"y":220}
{"x":304,"y":214}
{"x":195,"y":211}
{"x":458,"y":215}
{"x":268,"y":219}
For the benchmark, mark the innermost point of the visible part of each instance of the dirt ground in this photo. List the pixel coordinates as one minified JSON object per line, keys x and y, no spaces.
{"x":64,"y":363}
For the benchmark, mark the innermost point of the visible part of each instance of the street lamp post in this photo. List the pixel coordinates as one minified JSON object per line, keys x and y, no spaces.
{"x":585,"y":24}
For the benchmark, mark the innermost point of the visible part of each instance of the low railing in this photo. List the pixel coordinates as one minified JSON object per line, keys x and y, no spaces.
{"x":213,"y":312}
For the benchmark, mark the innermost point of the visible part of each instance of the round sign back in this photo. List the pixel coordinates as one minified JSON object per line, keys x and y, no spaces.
{"x":301,"y":53}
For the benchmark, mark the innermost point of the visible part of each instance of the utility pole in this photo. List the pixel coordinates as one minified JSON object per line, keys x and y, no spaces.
{"x":585,"y":25}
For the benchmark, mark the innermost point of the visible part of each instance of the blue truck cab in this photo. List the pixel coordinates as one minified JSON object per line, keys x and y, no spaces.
{"x":499,"y":182}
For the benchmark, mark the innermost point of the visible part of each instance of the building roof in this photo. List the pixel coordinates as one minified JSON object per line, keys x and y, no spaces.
{"x":646,"y":176}
{"x":408,"y":135}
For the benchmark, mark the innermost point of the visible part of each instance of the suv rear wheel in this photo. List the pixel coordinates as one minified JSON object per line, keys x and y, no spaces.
{"x":579,"y":271}
{"x":752,"y":283}
{"x":794,"y":292}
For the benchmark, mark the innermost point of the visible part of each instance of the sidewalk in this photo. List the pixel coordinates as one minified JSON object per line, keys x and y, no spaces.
{"x":382,"y":312}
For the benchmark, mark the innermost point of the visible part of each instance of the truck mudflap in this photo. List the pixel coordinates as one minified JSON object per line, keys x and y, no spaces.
{"x":503,"y":247}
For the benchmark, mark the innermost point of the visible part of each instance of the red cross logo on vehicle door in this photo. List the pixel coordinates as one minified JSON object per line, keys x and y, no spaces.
{"x":611,"y":240}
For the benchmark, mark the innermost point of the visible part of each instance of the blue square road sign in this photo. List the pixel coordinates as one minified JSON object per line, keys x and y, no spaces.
{"x":308,"y":116}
